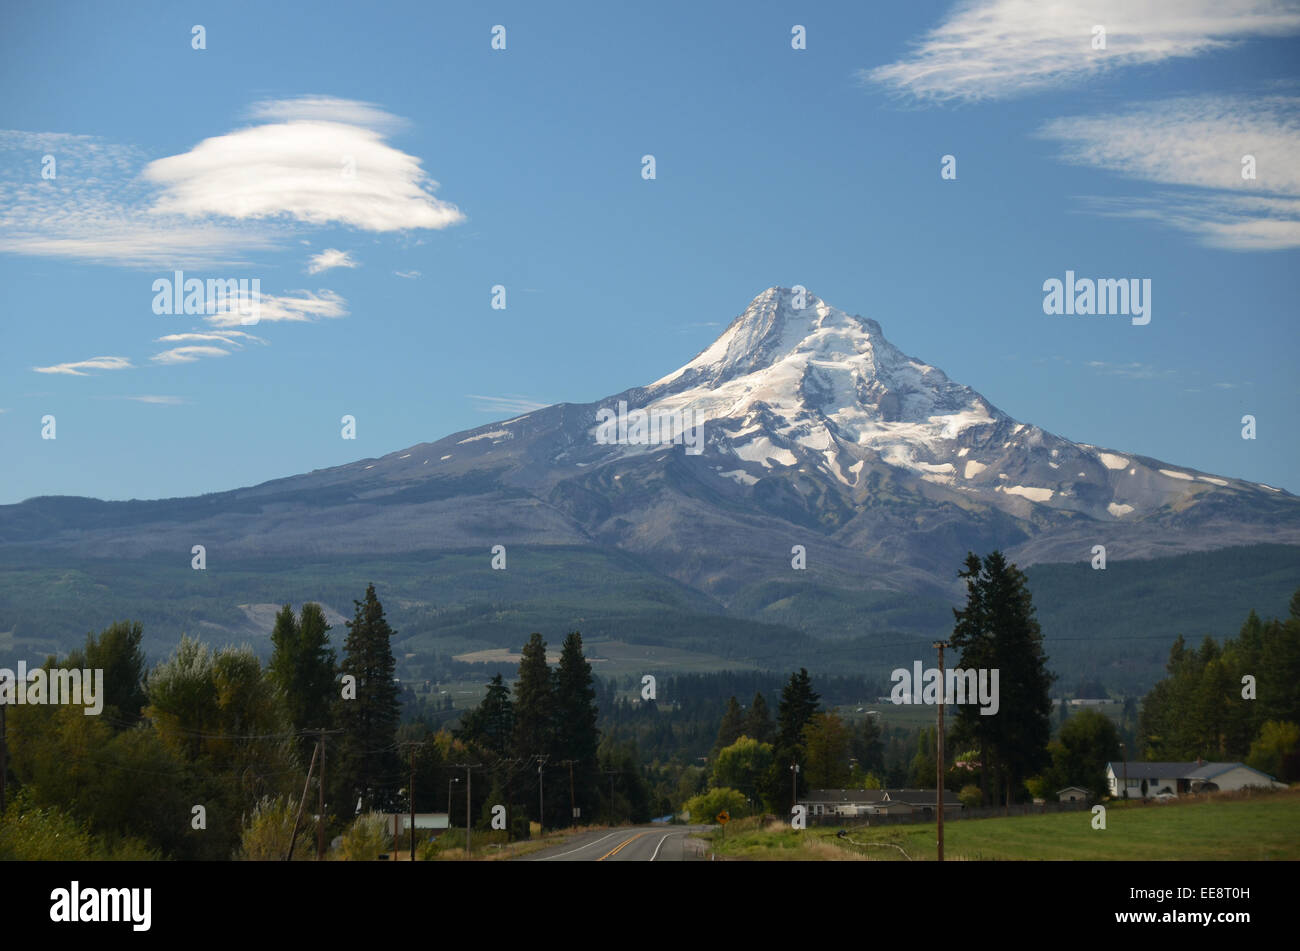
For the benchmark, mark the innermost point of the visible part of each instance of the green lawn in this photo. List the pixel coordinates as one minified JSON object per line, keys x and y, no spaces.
{"x":1232,"y":827}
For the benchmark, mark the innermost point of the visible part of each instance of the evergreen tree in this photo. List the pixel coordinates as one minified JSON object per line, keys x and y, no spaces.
{"x":997,"y":630}
{"x":534,"y":720}
{"x":867,"y":747}
{"x":317,"y":667}
{"x":732,"y":726}
{"x":798,"y":705}
{"x":303,"y":668}
{"x":491,"y":725}
{"x":282,"y":670}
{"x":922,"y":773}
{"x":576,"y":737}
{"x":758,"y":721}
{"x":117,"y":653}
{"x":827,"y":741}
{"x":371,"y":768}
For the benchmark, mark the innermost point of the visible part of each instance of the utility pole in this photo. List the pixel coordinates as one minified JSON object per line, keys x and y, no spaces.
{"x":320,"y":797}
{"x":4,"y":757}
{"x":794,"y":785}
{"x":468,"y":767}
{"x":1123,"y":750}
{"x":541,"y":798}
{"x":573,"y":804}
{"x":938,"y":743}
{"x":412,"y":794}
{"x":302,"y":802}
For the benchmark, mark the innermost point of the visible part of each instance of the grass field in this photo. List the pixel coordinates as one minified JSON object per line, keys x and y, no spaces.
{"x":1233,"y":826}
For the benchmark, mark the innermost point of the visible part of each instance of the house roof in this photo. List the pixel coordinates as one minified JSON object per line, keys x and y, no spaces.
{"x":1193,"y":770}
{"x":1140,"y":770}
{"x":1068,"y":788}
{"x":920,"y":797}
{"x":845,"y":795}
{"x":1210,"y":770}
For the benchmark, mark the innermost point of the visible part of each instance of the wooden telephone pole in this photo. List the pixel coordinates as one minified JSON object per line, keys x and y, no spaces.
{"x":4,"y":757}
{"x":938,"y":769}
{"x":469,"y":802}
{"x":293,"y":838}
{"x":541,"y":798}
{"x":573,"y":803}
{"x":411,"y":792}
{"x":320,"y":796}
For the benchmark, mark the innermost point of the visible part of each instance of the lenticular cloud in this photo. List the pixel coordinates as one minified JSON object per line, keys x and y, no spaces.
{"x":320,"y":164}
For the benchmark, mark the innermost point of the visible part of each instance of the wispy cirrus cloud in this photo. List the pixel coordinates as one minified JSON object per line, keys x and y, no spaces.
{"x":328,"y":259}
{"x":1132,"y":371}
{"x":272,"y":308}
{"x":196,"y":345}
{"x":1200,"y":146}
{"x":234,"y":337}
{"x":995,"y":49}
{"x":188,"y":354}
{"x":156,"y":400}
{"x":81,"y":367}
{"x":506,"y":404}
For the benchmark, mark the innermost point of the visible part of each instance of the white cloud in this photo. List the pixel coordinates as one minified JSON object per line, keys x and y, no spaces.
{"x":409,"y":275}
{"x":506,"y":404}
{"x":993,"y":49}
{"x":327,"y":109}
{"x":329,"y":258}
{"x":229,"y":197}
{"x":234,"y":337}
{"x":80,"y":367}
{"x":1132,"y":371}
{"x":158,"y":400}
{"x":188,"y":354}
{"x":275,"y":309}
{"x":319,"y":170}
{"x":1198,"y":143}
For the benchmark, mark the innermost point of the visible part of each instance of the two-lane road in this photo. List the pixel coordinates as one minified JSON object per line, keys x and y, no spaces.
{"x":655,"y":843}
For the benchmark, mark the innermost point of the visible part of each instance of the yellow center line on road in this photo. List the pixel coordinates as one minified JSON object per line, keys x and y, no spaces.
{"x":614,"y":850}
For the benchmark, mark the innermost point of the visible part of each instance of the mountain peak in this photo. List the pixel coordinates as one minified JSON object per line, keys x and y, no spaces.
{"x":779,"y":324}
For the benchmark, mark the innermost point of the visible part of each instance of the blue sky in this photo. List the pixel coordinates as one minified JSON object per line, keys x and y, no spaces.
{"x":818,"y":167}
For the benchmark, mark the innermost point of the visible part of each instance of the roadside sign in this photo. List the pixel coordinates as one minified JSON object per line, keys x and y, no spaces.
{"x":724,"y":817}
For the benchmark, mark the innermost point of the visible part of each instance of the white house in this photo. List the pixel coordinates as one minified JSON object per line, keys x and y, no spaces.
{"x":1227,"y":777}
{"x":1147,"y":780}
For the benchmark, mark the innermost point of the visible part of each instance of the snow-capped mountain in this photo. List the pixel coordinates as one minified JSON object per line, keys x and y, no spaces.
{"x":814,"y":431}
{"x":797,"y":383}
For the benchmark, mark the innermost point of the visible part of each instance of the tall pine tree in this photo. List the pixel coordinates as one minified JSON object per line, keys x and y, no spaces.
{"x":371,"y":768}
{"x":576,"y":737}
{"x":997,"y":630}
{"x":758,"y":721}
{"x":303,"y":667}
{"x":491,"y":725}
{"x":798,"y":705}
{"x":732,"y":726}
{"x":535,"y":721}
